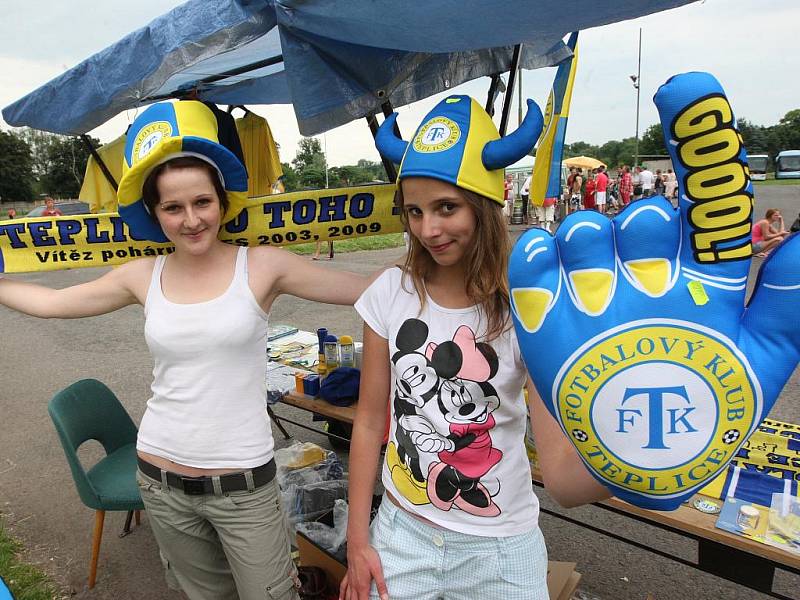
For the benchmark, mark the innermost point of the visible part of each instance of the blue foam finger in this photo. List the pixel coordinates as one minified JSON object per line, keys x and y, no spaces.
{"x":586,"y":246}
{"x":659,"y":387}
{"x":648,"y":235}
{"x":535,"y":278}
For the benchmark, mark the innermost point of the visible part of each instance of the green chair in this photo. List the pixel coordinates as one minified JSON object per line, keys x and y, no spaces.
{"x":88,"y":410}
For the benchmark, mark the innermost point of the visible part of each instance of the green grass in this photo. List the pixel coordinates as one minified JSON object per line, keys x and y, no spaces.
{"x":25,"y":581}
{"x":778,"y":182}
{"x":372,"y":242}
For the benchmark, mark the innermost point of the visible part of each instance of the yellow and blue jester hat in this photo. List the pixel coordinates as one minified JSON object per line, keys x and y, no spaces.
{"x":164,"y":131}
{"x":458,"y":142}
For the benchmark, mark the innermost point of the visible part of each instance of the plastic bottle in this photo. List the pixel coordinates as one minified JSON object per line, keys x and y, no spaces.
{"x":331,"y":353}
{"x":322,"y":333}
{"x":347,"y":351}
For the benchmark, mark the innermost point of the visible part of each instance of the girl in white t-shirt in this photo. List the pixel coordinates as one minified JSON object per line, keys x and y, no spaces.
{"x":459,"y":518}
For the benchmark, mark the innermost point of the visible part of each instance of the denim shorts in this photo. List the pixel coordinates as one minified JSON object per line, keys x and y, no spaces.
{"x":421,"y":562}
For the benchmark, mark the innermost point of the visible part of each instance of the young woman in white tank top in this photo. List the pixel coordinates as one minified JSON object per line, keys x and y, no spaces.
{"x":206,"y":307}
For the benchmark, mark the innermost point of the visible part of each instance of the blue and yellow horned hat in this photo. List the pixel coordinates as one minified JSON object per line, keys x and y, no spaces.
{"x":459,"y":143}
{"x":164,"y":131}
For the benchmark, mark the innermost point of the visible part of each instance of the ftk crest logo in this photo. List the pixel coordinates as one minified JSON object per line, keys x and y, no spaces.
{"x":657,"y":406}
{"x":437,"y":135}
{"x":149,"y":137}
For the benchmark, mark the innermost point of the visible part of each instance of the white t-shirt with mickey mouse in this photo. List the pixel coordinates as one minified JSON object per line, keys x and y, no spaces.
{"x":456,"y":453}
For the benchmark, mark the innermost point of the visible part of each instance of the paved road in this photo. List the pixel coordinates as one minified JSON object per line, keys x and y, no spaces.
{"x":38,"y":497}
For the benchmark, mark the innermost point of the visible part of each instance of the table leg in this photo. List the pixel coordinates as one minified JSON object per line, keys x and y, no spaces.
{"x":277,"y":422}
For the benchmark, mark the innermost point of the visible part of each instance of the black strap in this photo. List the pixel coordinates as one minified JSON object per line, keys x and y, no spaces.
{"x":197,"y":486}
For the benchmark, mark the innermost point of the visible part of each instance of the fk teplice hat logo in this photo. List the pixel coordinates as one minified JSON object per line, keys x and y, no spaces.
{"x":437,"y":135}
{"x":149,"y":137}
{"x":165,"y":131}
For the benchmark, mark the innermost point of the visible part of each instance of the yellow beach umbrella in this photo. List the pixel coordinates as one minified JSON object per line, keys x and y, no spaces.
{"x":583,"y":162}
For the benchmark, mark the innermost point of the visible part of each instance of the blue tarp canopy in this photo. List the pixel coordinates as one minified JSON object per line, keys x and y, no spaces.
{"x":333,"y":60}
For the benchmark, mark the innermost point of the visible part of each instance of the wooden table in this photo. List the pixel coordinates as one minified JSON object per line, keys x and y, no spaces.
{"x":345,"y":414}
{"x":732,"y":557}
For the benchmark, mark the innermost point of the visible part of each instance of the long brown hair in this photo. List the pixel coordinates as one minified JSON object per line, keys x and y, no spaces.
{"x":486,"y":261}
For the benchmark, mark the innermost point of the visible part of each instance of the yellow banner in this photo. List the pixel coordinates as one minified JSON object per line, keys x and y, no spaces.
{"x":546,"y":176}
{"x":101,"y":240}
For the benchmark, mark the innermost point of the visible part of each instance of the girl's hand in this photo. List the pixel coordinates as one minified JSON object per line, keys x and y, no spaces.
{"x":363,"y":565}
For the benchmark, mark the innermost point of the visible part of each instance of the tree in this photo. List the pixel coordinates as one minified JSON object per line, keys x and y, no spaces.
{"x":312,"y":177}
{"x":652,"y":141}
{"x":616,"y":153}
{"x":372,"y":171}
{"x":579,"y":149}
{"x":290,"y":180}
{"x":16,"y":168}
{"x":309,"y":163}
{"x":789,"y":130}
{"x":66,"y":165}
{"x":40,"y":143}
{"x":309,"y":154}
{"x":755,"y":137}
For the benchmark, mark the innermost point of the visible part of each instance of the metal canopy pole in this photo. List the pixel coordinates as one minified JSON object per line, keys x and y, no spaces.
{"x":214,"y":78}
{"x":492,"y":95}
{"x":388,"y":166}
{"x":512,"y":77}
{"x":109,"y":177}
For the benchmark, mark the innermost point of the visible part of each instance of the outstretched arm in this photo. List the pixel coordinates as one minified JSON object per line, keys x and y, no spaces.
{"x":564,"y":475}
{"x":299,"y":277}
{"x":112,"y":291}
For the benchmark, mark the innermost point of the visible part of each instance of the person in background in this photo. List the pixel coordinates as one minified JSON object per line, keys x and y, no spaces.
{"x":589,"y":190}
{"x":670,"y":185}
{"x":205,"y":449}
{"x":575,"y":200}
{"x":625,"y":185}
{"x":658,"y":184}
{"x":777,"y":225}
{"x":459,"y":518}
{"x":50,"y":209}
{"x":508,"y":194}
{"x":637,"y":183}
{"x":318,"y":249}
{"x":601,"y":187}
{"x":768,"y":232}
{"x":525,"y":193}
{"x":647,"y":180}
{"x":12,"y":213}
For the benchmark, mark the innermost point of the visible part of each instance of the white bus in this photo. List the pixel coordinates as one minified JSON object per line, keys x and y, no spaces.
{"x":787,"y":165}
{"x":758,"y":166}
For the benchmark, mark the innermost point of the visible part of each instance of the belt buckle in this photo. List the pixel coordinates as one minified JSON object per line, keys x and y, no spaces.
{"x":193,"y":486}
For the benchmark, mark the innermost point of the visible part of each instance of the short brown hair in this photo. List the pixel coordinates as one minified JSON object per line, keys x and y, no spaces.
{"x":486,"y":261}
{"x":151,"y":195}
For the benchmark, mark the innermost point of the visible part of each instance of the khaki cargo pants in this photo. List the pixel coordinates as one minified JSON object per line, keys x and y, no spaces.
{"x":222,"y":547}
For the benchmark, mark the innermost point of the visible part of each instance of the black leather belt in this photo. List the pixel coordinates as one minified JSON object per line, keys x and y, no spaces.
{"x":198,"y":486}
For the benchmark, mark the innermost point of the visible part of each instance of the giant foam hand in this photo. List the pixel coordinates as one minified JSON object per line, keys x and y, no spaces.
{"x":635,"y":330}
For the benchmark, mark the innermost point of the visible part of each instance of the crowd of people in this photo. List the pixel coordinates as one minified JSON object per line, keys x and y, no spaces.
{"x":595,"y":189}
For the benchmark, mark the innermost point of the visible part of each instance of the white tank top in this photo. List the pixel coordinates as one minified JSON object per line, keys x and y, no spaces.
{"x":208,"y":408}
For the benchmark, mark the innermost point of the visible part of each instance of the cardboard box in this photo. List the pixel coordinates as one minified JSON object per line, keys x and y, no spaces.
{"x":562,"y":578}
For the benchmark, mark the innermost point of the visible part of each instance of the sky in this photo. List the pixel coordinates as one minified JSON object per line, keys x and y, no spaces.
{"x":749,"y":45}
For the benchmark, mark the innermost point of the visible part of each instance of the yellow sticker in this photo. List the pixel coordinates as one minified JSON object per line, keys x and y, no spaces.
{"x":697,"y":292}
